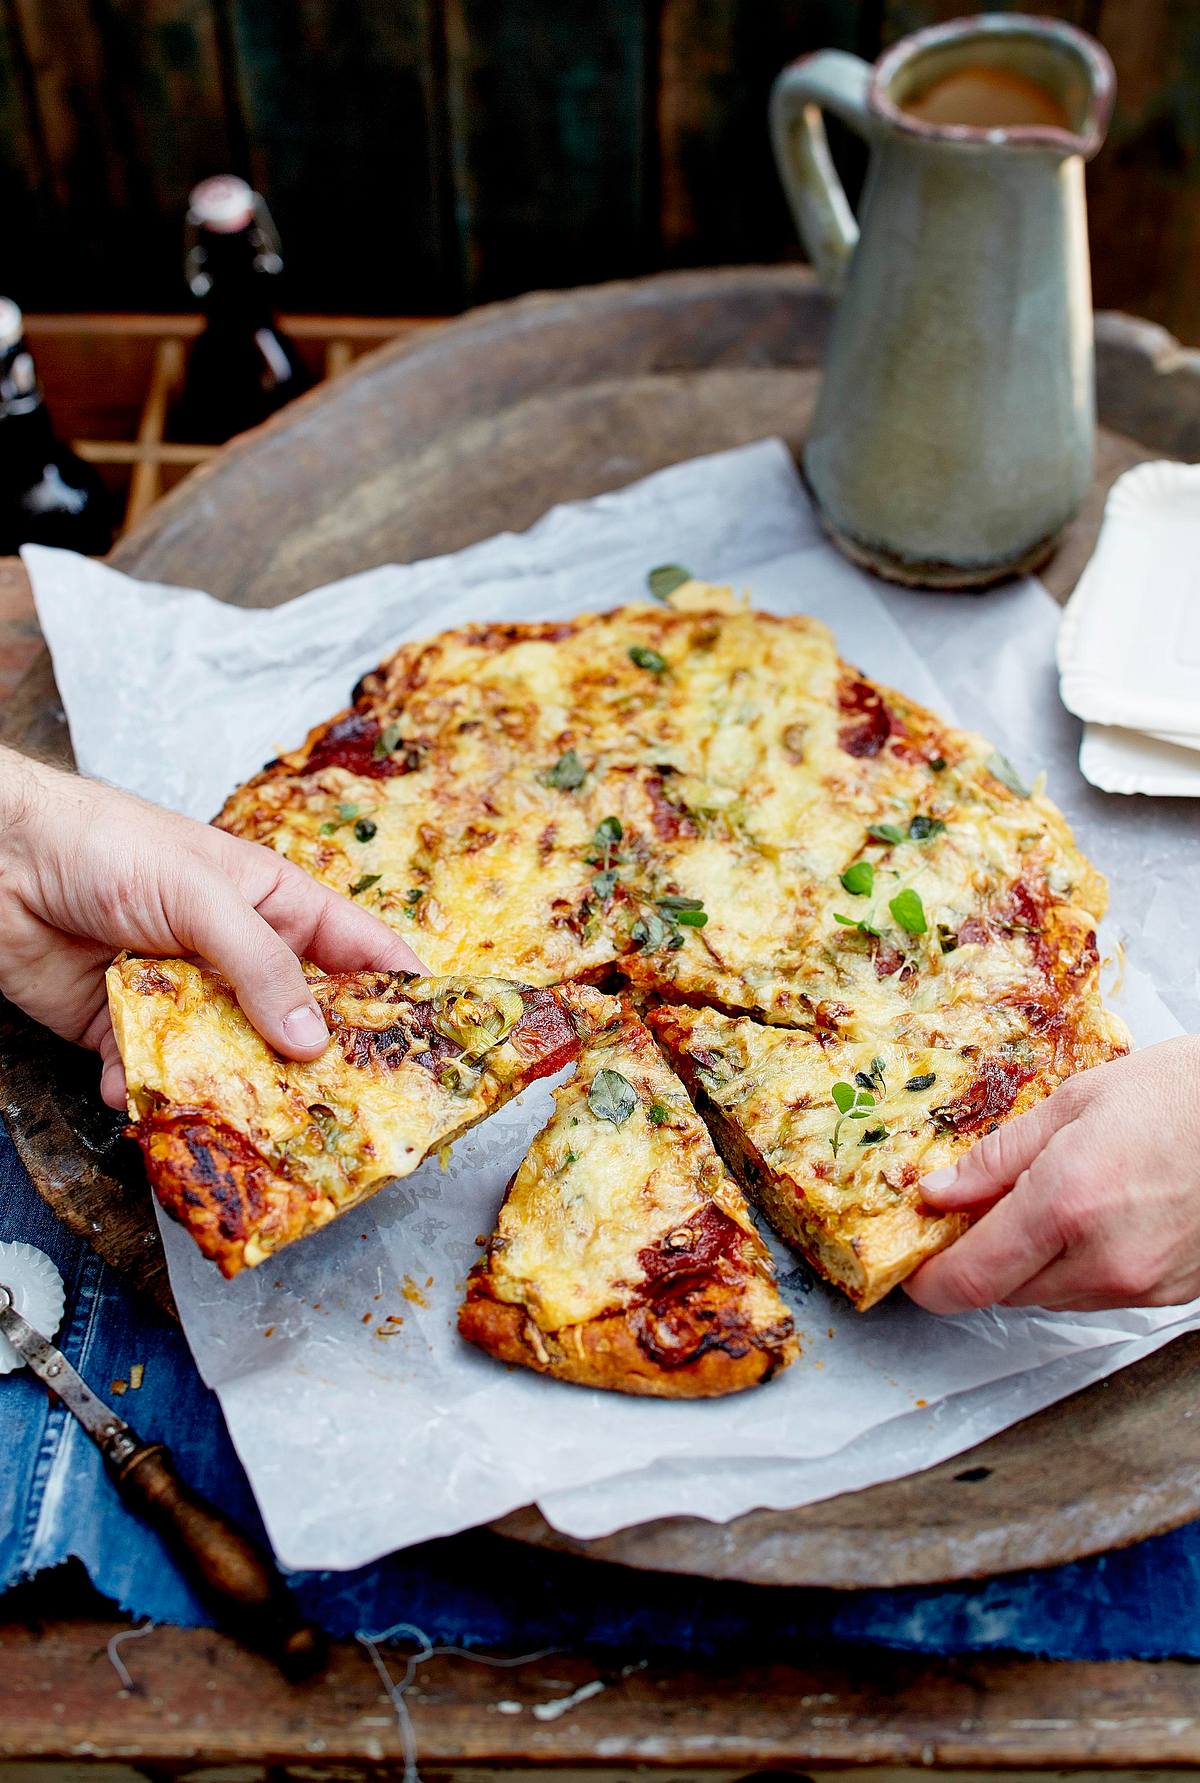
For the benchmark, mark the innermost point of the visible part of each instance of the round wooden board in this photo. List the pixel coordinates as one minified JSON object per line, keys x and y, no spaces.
{"x":480,"y":427}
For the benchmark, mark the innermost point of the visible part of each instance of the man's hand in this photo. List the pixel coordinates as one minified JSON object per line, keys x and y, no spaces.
{"x":1089,"y":1201}
{"x":86,"y":871}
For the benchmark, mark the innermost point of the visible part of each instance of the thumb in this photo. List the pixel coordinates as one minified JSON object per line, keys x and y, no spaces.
{"x":991,"y":1168}
{"x":209,"y":916}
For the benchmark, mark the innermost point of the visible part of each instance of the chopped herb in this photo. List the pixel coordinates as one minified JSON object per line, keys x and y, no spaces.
{"x":873,"y":1135}
{"x":909,"y":911}
{"x":937,"y":765}
{"x":664,"y":580}
{"x":872,"y":1079}
{"x":567,"y":773}
{"x":344,"y":814}
{"x":653,"y":930}
{"x":673,"y":901}
{"x":612,"y":1097}
{"x":921,"y":828}
{"x":691,"y":919}
{"x":387,"y":740}
{"x":657,"y":1115}
{"x":604,"y":883}
{"x":365,"y":828}
{"x":608,"y":832}
{"x":645,"y":658}
{"x":365,"y":883}
{"x":414,"y":894}
{"x":1001,"y":769}
{"x":886,"y":832}
{"x":859,"y":880}
{"x":925,"y":1081}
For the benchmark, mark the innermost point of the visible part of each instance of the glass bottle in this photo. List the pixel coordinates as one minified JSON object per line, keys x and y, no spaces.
{"x":242,"y":367}
{"x":48,"y":495}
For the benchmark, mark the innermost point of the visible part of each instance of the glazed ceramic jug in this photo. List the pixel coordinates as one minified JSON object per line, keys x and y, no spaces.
{"x":953,"y":435}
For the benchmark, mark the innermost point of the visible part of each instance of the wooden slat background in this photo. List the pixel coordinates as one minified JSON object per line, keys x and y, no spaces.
{"x":420,"y":155}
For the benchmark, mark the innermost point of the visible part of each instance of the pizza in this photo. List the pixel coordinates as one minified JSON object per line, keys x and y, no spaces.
{"x":250,"y":1151}
{"x":830,"y":1137}
{"x":624,"y":1255}
{"x":707,"y":806}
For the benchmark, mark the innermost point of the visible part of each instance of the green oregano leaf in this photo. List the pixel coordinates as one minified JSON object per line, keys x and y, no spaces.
{"x":909,"y":912}
{"x":657,"y":1115}
{"x":365,"y":828}
{"x":859,"y":880}
{"x":886,"y":832}
{"x":844,"y":1097}
{"x":603,"y":884}
{"x":664,"y":580}
{"x":925,"y":1081}
{"x":646,"y":658}
{"x":567,"y":773}
{"x":608,"y":832}
{"x":365,"y":883}
{"x":921,"y":828}
{"x":612,"y":1097}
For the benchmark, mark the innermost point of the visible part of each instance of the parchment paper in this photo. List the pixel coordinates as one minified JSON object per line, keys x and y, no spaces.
{"x":364,"y":1423}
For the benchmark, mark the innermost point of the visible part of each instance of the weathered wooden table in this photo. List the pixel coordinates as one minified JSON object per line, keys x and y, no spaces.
{"x":426,"y":447}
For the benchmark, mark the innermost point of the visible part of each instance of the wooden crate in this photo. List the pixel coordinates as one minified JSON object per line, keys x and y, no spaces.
{"x":111,"y":383}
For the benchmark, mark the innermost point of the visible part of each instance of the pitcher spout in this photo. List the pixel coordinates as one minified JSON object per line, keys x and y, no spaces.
{"x":1044,"y":86}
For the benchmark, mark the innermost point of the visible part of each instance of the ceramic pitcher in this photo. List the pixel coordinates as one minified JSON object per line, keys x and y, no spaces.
{"x":953,"y":435}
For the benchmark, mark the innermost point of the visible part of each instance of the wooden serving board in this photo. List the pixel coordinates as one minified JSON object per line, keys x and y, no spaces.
{"x":481,"y":426}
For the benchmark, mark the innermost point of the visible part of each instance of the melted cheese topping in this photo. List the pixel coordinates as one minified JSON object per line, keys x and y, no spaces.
{"x":734,"y":765}
{"x":340,"y":1127}
{"x":592,"y":1195}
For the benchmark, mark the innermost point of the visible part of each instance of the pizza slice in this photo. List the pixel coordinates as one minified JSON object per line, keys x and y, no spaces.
{"x":830,"y":1138}
{"x":624,"y":1255}
{"x":251,"y":1151}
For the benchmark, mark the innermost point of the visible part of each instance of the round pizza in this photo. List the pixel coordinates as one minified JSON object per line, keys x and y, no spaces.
{"x":851,"y":938}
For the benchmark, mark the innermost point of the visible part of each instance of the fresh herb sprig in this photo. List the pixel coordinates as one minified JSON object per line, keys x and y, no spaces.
{"x":853,"y":1103}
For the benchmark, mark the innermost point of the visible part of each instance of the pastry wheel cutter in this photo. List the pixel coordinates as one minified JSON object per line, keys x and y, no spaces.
{"x":230,"y":1571}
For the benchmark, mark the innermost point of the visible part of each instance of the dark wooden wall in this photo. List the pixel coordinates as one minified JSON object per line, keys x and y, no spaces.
{"x":420,"y":155}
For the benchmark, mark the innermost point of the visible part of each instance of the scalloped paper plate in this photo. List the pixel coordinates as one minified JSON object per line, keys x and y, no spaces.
{"x":1118,"y":760}
{"x":37,"y":1291}
{"x":1129,"y":644}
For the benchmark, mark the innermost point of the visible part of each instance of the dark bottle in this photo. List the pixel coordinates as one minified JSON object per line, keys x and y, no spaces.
{"x":242,"y":367}
{"x":48,"y":495}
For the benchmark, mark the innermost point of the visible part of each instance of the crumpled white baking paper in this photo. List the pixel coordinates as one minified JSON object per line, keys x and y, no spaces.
{"x":364,"y":1423}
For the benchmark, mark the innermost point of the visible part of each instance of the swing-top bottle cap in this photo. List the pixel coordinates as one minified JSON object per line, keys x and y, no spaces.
{"x":224,"y":204}
{"x":12,"y":324}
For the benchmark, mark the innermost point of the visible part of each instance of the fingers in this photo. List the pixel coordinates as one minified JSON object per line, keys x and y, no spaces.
{"x":333,"y":932}
{"x":99,"y":1037}
{"x":210,"y":916}
{"x":113,"y":1088}
{"x":991,"y":1168}
{"x":1013,"y":1242}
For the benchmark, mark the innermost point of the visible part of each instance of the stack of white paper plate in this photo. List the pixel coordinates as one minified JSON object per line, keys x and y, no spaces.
{"x":1129,"y":646}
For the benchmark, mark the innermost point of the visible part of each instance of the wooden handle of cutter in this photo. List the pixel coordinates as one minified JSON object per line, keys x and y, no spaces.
{"x":231,"y":1572}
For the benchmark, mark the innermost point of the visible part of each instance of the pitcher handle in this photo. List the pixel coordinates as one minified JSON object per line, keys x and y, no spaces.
{"x":830,"y":80}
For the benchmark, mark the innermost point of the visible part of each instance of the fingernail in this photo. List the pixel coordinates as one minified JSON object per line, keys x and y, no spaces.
{"x":940,"y":1179}
{"x":304,"y":1026}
